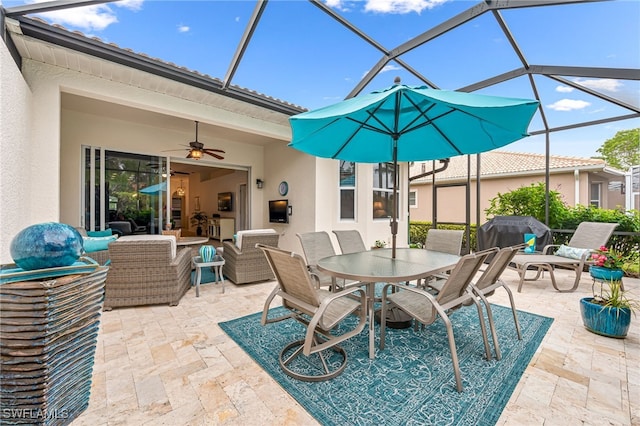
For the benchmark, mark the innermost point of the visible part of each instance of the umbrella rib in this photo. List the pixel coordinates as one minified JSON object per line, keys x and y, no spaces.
{"x":362,"y":124}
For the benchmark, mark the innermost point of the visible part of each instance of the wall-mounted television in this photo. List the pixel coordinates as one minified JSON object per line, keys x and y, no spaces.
{"x":279,"y":211}
{"x":225,"y":201}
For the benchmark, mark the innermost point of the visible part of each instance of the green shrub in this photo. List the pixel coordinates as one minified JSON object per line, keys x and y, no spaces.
{"x":529,"y":201}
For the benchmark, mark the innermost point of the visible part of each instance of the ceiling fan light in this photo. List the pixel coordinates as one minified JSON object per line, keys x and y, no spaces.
{"x":196,"y":154}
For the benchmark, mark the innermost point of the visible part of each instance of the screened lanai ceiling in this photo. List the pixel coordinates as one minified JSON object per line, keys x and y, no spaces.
{"x":580,"y":59}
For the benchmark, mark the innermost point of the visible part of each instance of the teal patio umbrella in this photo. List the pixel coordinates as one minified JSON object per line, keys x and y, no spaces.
{"x":404,"y":123}
{"x":156,"y":189}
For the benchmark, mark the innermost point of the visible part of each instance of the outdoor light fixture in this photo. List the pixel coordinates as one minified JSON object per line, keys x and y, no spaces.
{"x":259,"y":183}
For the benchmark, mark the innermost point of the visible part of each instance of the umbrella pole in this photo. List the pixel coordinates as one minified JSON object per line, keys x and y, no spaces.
{"x":394,"y":217}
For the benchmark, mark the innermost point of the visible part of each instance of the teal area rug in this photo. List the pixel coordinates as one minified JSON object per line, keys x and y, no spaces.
{"x":411,"y":381}
{"x":207,"y":276}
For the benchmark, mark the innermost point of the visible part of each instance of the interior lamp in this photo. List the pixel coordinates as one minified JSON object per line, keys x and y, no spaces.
{"x":180,"y":190}
{"x":196,"y":154}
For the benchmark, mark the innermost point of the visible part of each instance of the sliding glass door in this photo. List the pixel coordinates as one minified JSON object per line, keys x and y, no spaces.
{"x":121,"y":186}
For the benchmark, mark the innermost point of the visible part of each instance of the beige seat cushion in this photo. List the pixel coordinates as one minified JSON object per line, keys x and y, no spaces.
{"x":251,"y":231}
{"x":172,"y":238}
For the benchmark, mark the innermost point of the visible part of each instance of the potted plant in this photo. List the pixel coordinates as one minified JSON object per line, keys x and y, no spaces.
{"x":608,"y":264}
{"x":199,"y":219}
{"x":379,"y":244}
{"x":609,"y":312}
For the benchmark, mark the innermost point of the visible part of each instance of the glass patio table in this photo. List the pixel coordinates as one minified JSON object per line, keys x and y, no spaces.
{"x":371,"y":267}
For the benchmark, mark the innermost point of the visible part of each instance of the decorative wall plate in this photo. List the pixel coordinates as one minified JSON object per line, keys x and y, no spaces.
{"x":283,"y":189}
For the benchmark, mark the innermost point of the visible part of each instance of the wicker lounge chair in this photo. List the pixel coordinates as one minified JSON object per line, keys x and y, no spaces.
{"x":350,"y":241}
{"x":589,"y":236}
{"x":426,"y":308}
{"x":319,"y":311}
{"x":146,"y":270}
{"x":246,"y":263}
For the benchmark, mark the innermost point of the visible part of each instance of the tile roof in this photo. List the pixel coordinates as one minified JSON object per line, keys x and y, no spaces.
{"x":501,"y":163}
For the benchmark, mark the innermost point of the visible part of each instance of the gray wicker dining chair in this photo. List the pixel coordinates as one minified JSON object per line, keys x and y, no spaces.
{"x":588,"y":237}
{"x":426,"y":308}
{"x":350,"y":241}
{"x":318,"y":310}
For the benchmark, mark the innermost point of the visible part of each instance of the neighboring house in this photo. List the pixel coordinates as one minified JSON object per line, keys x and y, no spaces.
{"x":584,"y":181}
{"x":68,"y":101}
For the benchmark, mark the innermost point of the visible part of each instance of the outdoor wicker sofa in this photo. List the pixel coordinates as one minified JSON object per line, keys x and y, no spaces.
{"x":147,"y":270}
{"x":244,"y":263}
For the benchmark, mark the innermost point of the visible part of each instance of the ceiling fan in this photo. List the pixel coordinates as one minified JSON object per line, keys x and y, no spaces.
{"x":196,"y":149}
{"x":156,"y":166}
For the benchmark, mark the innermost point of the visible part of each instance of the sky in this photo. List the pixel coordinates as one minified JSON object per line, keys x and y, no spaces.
{"x":300,"y":55}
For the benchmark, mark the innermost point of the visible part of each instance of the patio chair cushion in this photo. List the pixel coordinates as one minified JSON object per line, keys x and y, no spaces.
{"x":92,"y":244}
{"x":571,"y":252}
{"x":172,"y":238}
{"x":251,"y":231}
{"x":106,"y":233}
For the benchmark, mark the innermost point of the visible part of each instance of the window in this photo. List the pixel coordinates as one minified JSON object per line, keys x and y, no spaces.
{"x":413,"y":199}
{"x":383,"y":176}
{"x":120,"y":185}
{"x":347,"y":190}
{"x":595,"y":194}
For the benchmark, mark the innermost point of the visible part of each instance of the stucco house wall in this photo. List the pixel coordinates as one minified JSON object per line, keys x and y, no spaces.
{"x":17,"y":181}
{"x":41,"y":151}
{"x":574,"y":189}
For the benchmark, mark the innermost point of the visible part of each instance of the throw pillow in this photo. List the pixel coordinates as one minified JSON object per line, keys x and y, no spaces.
{"x":571,"y":252}
{"x":92,"y":244}
{"x":106,"y":233}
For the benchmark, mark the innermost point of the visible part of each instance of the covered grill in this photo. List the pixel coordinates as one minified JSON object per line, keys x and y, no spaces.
{"x":505,"y":231}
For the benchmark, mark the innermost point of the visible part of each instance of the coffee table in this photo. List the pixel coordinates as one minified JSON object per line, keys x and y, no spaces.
{"x":216,"y":264}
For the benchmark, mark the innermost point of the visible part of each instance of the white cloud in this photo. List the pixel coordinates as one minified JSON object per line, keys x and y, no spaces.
{"x":564,"y":89}
{"x":568,"y":105}
{"x":386,"y":68}
{"x":606,"y":84}
{"x":89,"y":18}
{"x":338,"y":5}
{"x":130,"y":4}
{"x":183,"y":28}
{"x":401,"y":6}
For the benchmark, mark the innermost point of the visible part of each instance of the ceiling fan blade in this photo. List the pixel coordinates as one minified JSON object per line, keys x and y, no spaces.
{"x":219,"y":157}
{"x":189,"y":154}
{"x":214,"y":150}
{"x":174,"y":172}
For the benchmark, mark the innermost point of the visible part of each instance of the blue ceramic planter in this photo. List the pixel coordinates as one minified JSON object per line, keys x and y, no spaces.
{"x":610,"y":322}
{"x":46,"y":245}
{"x":606,"y":274}
{"x":207,"y":253}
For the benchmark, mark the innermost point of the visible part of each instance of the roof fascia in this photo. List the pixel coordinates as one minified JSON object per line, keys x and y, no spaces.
{"x":63,"y":38}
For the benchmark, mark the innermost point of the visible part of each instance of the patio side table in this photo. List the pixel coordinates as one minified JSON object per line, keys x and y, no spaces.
{"x":216,"y":264}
